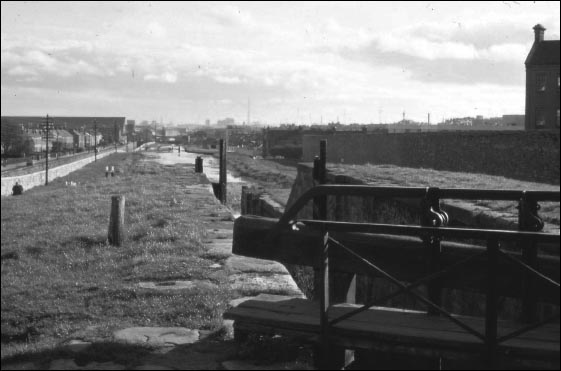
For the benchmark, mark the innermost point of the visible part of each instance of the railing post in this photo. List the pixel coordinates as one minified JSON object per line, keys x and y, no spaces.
{"x":222,"y":180}
{"x":338,"y":287}
{"x":491,"y":301}
{"x":324,"y":355}
{"x":319,"y":212}
{"x":528,"y":220}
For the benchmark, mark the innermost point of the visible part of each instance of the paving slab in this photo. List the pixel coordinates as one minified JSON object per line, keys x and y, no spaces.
{"x":220,"y":250}
{"x":157,"y":335}
{"x":273,"y":283}
{"x":242,"y":264}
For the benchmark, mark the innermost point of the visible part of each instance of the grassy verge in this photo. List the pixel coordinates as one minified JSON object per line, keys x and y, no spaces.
{"x":61,"y":280}
{"x":274,"y":176}
{"x":390,"y":175}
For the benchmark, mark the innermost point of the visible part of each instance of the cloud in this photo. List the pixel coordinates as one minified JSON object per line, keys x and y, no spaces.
{"x":156,"y":30}
{"x":167,"y":77}
{"x":231,"y":16}
{"x":423,"y":48}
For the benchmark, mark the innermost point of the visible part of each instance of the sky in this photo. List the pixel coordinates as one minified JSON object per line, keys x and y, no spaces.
{"x":316,"y":62}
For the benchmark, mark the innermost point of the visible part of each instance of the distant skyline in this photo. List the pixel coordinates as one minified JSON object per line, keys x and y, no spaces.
{"x":297,"y":62}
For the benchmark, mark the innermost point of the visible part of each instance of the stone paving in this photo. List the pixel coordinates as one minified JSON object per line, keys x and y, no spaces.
{"x":178,"y":348}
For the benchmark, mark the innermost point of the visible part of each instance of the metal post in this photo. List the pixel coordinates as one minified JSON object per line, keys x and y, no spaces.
{"x":222,"y":181}
{"x":115,"y":136}
{"x":528,"y":220}
{"x":323,"y":361}
{"x":491,"y":300}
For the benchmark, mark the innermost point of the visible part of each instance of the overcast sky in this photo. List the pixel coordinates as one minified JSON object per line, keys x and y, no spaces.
{"x":296,"y":62}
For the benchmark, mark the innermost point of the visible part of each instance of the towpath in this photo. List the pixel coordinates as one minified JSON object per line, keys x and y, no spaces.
{"x":177,"y":348}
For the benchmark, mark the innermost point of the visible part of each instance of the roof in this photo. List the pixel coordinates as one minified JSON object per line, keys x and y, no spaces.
{"x":63,"y":133}
{"x":544,"y":53}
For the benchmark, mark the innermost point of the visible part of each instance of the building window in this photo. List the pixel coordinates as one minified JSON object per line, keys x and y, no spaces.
{"x":540,"y":117}
{"x":540,"y":82}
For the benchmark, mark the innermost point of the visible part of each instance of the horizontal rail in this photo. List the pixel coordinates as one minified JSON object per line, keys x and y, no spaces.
{"x":414,"y":192}
{"x":411,"y":230}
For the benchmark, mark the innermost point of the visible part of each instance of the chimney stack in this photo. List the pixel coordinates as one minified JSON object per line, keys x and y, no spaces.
{"x":538,"y":33}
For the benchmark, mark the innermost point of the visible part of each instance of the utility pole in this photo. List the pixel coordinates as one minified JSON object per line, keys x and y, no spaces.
{"x":95,"y":140}
{"x":47,"y":157}
{"x":57,"y":145}
{"x":115,"y":136}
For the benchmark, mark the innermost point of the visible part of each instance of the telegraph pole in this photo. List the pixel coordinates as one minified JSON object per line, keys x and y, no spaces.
{"x":47,"y":157}
{"x":95,"y":140}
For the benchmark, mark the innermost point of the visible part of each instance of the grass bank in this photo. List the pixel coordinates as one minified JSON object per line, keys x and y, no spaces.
{"x":61,"y":280}
{"x":273,"y":176}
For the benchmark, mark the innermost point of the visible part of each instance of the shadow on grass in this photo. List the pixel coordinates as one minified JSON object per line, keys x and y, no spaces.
{"x":207,"y":353}
{"x":120,"y":353}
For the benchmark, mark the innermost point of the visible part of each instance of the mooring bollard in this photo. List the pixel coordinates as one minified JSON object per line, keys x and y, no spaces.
{"x":116,"y":233}
{"x":244,"y":200}
{"x":107,"y":171}
{"x":199,"y":164}
{"x":112,"y":171}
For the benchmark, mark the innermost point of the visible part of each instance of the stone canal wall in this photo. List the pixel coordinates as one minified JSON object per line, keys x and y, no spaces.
{"x":531,"y":156}
{"x":29,"y":181}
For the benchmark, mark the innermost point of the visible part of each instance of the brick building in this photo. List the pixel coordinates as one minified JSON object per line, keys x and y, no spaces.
{"x":542,"y":83}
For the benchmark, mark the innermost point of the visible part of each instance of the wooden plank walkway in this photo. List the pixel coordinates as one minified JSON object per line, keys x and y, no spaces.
{"x":386,"y":328}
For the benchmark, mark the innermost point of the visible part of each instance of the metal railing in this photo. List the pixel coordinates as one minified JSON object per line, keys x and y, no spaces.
{"x":432,"y":229}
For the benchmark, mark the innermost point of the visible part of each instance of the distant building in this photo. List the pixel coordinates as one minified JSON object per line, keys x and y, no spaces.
{"x":542,"y":83}
{"x":63,"y":139}
{"x":514,"y":121}
{"x":129,"y":128}
{"x":171,"y":132}
{"x":224,"y":123}
{"x":78,"y":137}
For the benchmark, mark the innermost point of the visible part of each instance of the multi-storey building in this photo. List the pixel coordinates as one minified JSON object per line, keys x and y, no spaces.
{"x":542,"y":83}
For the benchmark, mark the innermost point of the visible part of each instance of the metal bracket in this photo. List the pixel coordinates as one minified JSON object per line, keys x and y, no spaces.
{"x":431,"y":214}
{"x":528,"y":218}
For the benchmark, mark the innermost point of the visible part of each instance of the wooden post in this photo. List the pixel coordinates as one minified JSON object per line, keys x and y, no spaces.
{"x":222,"y":180}
{"x":116,"y":233}
{"x":243,"y":201}
{"x":256,"y":203}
